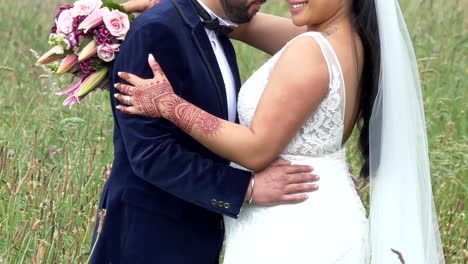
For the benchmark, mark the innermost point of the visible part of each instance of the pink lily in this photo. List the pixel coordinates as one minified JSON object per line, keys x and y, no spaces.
{"x":68,"y":63}
{"x":92,"y":82}
{"x":51,"y":55}
{"x":72,"y":92}
{"x":88,"y":51}
{"x":93,"y":20}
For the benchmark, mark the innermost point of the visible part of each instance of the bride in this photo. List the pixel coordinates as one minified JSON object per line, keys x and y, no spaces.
{"x":354,"y":63}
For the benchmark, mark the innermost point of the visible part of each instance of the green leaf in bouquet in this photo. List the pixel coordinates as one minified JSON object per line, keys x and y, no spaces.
{"x":97,"y":63}
{"x":84,"y":43}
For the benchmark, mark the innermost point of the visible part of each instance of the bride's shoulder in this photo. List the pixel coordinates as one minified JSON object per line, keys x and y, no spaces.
{"x":305,"y":44}
{"x":302,"y":61}
{"x":305,"y":50}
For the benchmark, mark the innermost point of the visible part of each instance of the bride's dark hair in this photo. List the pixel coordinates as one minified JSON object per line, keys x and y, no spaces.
{"x":365,"y":23}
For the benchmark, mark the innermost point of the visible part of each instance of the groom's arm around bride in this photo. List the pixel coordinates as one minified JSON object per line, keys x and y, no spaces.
{"x":166,"y":194}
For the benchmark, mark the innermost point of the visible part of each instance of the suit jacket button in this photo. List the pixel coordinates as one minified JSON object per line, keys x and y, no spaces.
{"x":220,"y":204}
{"x":214,"y":202}
{"x":226,"y":205}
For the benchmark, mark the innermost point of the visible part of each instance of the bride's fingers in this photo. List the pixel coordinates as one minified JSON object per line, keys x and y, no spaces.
{"x":125,"y":89}
{"x":129,"y":110}
{"x":130,"y":78}
{"x":123,"y":99}
{"x":155,"y":67}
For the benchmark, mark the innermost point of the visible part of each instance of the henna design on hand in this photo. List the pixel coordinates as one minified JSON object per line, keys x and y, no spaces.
{"x":147,"y":97}
{"x":157,"y":69}
{"x":127,"y":89}
{"x":155,"y":98}
{"x":124,"y":76}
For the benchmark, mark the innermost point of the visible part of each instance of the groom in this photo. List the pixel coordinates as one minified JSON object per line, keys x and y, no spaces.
{"x":164,"y":200}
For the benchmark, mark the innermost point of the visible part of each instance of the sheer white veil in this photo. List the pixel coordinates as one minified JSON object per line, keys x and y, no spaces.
{"x":402,"y":215}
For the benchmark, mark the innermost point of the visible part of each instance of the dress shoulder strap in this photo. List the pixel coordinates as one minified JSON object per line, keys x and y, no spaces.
{"x":337,"y":84}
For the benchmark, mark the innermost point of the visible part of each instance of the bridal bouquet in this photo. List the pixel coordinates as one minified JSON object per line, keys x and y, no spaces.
{"x":85,"y":37}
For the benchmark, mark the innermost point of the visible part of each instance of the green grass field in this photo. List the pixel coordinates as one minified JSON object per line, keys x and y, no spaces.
{"x":54,"y":160}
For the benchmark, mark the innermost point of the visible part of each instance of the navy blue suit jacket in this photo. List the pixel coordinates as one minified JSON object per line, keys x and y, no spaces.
{"x":166,"y":194}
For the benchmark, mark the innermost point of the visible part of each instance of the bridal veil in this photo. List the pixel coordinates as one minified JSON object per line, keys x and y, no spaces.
{"x":403,"y":222}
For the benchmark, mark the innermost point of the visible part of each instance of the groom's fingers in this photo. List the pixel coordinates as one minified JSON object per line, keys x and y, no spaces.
{"x":301,"y":178}
{"x":294,"y":198}
{"x":297,"y":169}
{"x":299,"y":188}
{"x":130,"y":78}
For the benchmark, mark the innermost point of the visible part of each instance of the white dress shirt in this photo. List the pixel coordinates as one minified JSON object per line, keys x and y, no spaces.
{"x":226,"y":71}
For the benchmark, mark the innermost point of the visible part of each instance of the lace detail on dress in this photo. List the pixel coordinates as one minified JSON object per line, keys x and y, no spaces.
{"x":322,"y":133}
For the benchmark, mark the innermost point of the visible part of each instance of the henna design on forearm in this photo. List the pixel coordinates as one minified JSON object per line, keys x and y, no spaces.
{"x":186,"y":116}
{"x":209,"y":125}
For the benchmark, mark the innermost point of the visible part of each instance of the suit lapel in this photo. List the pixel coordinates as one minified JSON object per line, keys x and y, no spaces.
{"x":203,"y":45}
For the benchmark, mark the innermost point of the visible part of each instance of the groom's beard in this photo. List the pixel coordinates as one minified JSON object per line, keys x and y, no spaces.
{"x":240,"y":11}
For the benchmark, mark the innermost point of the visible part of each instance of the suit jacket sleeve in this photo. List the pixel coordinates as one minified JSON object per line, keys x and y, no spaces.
{"x":151,"y":144}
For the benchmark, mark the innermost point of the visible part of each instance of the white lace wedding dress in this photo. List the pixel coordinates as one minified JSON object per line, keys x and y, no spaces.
{"x":331,"y":226}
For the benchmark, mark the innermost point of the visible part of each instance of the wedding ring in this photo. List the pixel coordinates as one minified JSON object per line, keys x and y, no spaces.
{"x":128,"y":100}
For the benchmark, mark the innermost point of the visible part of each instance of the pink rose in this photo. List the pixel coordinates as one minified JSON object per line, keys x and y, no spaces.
{"x":117,"y":23}
{"x":65,"y":22}
{"x":85,"y":7}
{"x":107,"y":52}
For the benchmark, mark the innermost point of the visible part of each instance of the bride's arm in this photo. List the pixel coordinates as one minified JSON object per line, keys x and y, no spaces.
{"x":139,"y":5}
{"x":266,"y":32}
{"x":297,"y":85}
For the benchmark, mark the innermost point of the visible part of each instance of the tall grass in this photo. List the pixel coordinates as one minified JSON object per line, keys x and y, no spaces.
{"x":54,"y":160}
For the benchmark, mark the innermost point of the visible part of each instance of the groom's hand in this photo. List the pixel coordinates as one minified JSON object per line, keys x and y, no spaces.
{"x":283,"y":183}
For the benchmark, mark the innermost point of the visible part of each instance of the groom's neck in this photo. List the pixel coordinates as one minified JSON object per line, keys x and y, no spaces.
{"x":215,"y":6}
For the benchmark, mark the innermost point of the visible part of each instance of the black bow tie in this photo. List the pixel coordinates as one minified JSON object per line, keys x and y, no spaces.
{"x":211,"y":23}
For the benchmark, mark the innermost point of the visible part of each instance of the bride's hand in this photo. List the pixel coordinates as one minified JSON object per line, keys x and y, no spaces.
{"x":139,"y":5}
{"x":144,"y":96}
